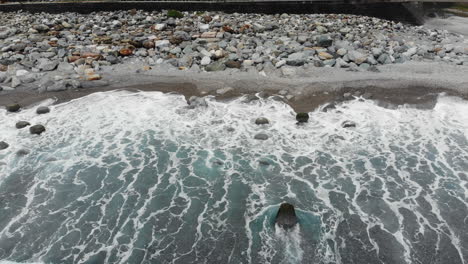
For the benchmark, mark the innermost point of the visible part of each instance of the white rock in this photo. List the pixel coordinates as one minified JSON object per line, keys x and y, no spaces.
{"x":204,"y":27}
{"x":248,"y":63}
{"x":15,"y":82}
{"x":21,"y":73}
{"x":280,"y":63}
{"x":162,"y":43}
{"x":160,"y":27}
{"x":205,"y":61}
{"x":410,"y":52}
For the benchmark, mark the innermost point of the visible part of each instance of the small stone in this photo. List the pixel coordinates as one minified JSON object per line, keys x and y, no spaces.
{"x":216,"y":66}
{"x":160,"y":27}
{"x":302,"y":117}
{"x":357,"y":57}
{"x":37,"y":129}
{"x":205,"y":61}
{"x":15,"y":82}
{"x":296,"y":59}
{"x":148,"y":44}
{"x":162,"y":43}
{"x":233,"y":64}
{"x":42,"y":110}
{"x":22,"y":124}
{"x":325,"y":55}
{"x":341,"y":52}
{"x":93,"y":77}
{"x":92,"y":55}
{"x":348,"y":124}
{"x":3,"y":145}
{"x":13,"y":108}
{"x":125,"y":52}
{"x":324,"y":41}
{"x":46,"y":64}
{"x":261,"y":136}
{"x":208,"y":35}
{"x":261,"y":121}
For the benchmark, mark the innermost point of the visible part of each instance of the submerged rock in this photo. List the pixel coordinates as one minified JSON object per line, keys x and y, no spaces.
{"x":195,"y":101}
{"x":3,"y":145}
{"x":302,"y":117}
{"x":286,"y":217}
{"x":261,"y":121}
{"x":261,"y":136}
{"x":37,"y":129}
{"x":13,"y":108}
{"x":22,"y":152}
{"x":22,"y":124}
{"x":42,"y":110}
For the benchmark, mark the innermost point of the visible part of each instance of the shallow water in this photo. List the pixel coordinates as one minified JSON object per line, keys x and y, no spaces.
{"x":123,"y":177}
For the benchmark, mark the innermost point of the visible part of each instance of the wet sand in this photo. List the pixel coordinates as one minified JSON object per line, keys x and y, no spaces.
{"x":418,"y":97}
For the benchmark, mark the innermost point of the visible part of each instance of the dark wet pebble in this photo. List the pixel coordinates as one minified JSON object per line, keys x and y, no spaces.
{"x":13,"y":108}
{"x":37,"y":129}
{"x":42,"y":110}
{"x":262,"y":121}
{"x":3,"y":145}
{"x":22,"y":124}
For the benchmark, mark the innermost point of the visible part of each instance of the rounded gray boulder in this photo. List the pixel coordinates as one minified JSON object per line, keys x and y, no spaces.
{"x":262,"y":121}
{"x":13,"y":108}
{"x":22,"y":124}
{"x":42,"y":110}
{"x":37,"y":129}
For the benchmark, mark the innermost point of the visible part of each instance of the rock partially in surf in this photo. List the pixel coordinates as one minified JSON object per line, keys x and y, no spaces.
{"x":13,"y":108}
{"x":261,"y":136}
{"x":42,"y":110}
{"x":348,"y":124}
{"x":3,"y":145}
{"x":286,"y":217}
{"x":262,"y":121}
{"x":195,"y":101}
{"x":22,"y":124}
{"x":22,"y":152}
{"x":249,"y":98}
{"x":328,"y":107}
{"x":302,"y":117}
{"x":37,"y":129}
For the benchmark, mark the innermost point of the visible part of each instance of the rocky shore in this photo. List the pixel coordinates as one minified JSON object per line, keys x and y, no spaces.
{"x":57,"y":52}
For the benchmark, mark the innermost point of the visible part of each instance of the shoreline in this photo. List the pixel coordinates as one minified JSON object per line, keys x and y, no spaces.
{"x":417,"y":97}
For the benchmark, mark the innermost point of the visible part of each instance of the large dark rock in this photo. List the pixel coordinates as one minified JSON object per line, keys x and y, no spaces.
{"x":42,"y":110}
{"x":302,"y":117}
{"x":37,"y":129}
{"x":262,"y":121}
{"x":22,"y":124}
{"x":13,"y":108}
{"x":3,"y":145}
{"x":286,"y":217}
